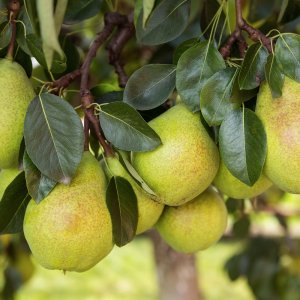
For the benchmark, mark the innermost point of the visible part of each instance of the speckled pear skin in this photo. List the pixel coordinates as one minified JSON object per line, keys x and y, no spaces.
{"x":233,"y":187}
{"x":6,"y":177}
{"x":196,"y":225}
{"x":281,"y":119}
{"x":71,"y":229}
{"x":149,"y":210}
{"x":186,"y":162}
{"x":16,"y":92}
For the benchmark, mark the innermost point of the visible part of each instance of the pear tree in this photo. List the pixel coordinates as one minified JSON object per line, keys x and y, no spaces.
{"x":121,"y":118}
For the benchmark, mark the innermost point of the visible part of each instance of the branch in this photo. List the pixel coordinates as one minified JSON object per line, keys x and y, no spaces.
{"x":64,"y":81}
{"x":13,"y":10}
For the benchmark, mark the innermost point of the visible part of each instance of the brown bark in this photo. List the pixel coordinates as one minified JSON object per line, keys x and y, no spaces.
{"x":176,"y":272}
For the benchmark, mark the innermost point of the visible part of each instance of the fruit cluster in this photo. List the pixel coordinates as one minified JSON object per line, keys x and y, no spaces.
{"x":71,"y":229}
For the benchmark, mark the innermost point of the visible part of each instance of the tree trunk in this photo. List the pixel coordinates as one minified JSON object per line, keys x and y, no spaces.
{"x":176,"y":272}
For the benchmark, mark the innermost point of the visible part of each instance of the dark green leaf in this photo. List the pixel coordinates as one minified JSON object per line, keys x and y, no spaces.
{"x":5,"y":34}
{"x":13,"y":206}
{"x":243,"y":141}
{"x":122,"y":205}
{"x":287,"y":54}
{"x":38,"y":185}
{"x":150,"y":86}
{"x":274,"y":76}
{"x":183,"y":47}
{"x":124,"y":127}
{"x":24,"y":60}
{"x":239,"y":96}
{"x":215,"y":96}
{"x":194,"y":67}
{"x":167,"y":21}
{"x":252,"y":71}
{"x":54,"y":137}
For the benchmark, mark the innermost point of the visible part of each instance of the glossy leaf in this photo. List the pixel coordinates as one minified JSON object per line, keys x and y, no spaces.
{"x":167,"y":21}
{"x":274,"y":76}
{"x":54,"y":137}
{"x":150,"y":86}
{"x":194,"y":68}
{"x":252,"y":71}
{"x":38,"y":185}
{"x":122,"y":205}
{"x":183,"y":47}
{"x":215,"y":96}
{"x":124,"y":127}
{"x":13,"y":206}
{"x":242,"y":140}
{"x":287,"y":54}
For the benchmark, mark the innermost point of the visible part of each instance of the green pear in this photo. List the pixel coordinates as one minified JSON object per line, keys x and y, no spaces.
{"x":195,"y":225}
{"x":71,"y":228}
{"x":281,"y":120}
{"x":16,"y":92}
{"x":6,"y":177}
{"x":233,"y":187}
{"x":186,"y":162}
{"x":149,"y":210}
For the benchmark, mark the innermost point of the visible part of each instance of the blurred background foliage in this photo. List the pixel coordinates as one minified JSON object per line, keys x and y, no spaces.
{"x":259,"y":257}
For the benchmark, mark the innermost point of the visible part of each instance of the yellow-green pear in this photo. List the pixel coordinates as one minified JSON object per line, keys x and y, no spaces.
{"x":71,"y":228}
{"x":195,"y":225}
{"x":149,"y":210}
{"x":6,"y":177}
{"x":16,"y":92}
{"x":281,"y":120}
{"x":233,"y":187}
{"x":186,"y":162}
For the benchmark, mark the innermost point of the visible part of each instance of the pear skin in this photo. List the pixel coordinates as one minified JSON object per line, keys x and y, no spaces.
{"x":16,"y":92}
{"x":281,"y":120}
{"x":6,"y":177}
{"x":195,"y":225}
{"x":233,"y":187}
{"x":186,"y":162}
{"x":71,"y":228}
{"x":149,"y":210}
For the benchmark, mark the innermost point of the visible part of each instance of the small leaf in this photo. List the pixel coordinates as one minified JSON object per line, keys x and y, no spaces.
{"x":274,"y":76}
{"x":215,"y":96}
{"x":124,"y":127}
{"x":167,"y":21}
{"x":194,"y":67}
{"x":287,"y":54}
{"x":252,"y":71}
{"x":242,"y":141}
{"x":54,"y":137}
{"x":13,"y":206}
{"x":122,"y":205}
{"x":39,"y":186}
{"x":150,"y":86}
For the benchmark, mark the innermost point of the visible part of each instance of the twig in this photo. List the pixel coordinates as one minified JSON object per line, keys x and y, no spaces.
{"x":13,"y":9}
{"x":64,"y":81}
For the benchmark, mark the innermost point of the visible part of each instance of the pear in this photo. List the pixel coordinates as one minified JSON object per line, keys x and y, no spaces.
{"x":281,"y":120}
{"x":16,"y":92}
{"x":233,"y":187}
{"x":186,"y":162}
{"x":71,"y":228}
{"x":195,"y":225}
{"x":149,"y":210}
{"x":6,"y":177}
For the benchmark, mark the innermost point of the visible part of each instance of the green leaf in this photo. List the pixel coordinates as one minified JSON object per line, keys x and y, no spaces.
{"x":186,"y":45}
{"x":243,"y":142}
{"x":287,"y":54}
{"x":167,"y":21}
{"x":48,"y":30}
{"x":60,"y":10}
{"x":124,"y":127}
{"x":150,"y":86}
{"x":252,"y":71}
{"x":148,"y":6}
{"x":54,"y":137}
{"x":194,"y":68}
{"x":5,"y":34}
{"x":215,"y":96}
{"x":274,"y":76}
{"x":13,"y":206}
{"x":122,"y":205}
{"x":39,"y":186}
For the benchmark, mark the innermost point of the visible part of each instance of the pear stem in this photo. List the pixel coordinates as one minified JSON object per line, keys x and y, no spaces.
{"x":241,"y":25}
{"x":13,"y":10}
